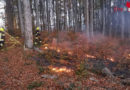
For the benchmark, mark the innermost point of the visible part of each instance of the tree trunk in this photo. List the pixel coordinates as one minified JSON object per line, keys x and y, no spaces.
{"x":28,"y":24}
{"x":104,"y":17}
{"x":37,"y":14}
{"x":122,"y":25}
{"x":10,"y":16}
{"x":87,"y":17}
{"x":91,"y":17}
{"x":21,"y":17}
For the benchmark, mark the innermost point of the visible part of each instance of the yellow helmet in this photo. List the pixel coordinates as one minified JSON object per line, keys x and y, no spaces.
{"x":37,"y":28}
{"x":2,"y":29}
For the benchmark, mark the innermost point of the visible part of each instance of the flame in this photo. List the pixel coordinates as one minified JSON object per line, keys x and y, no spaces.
{"x":111,"y":59}
{"x":70,"y":53}
{"x":129,"y":55}
{"x":63,"y":69}
{"x":90,"y":56}
{"x":58,"y":50}
{"x":46,"y":48}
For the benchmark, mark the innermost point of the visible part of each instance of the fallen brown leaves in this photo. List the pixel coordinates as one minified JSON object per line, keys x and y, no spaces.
{"x":18,"y":71}
{"x":14,"y":73}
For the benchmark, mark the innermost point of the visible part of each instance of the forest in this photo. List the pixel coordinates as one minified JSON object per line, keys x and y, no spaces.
{"x":64,"y":44}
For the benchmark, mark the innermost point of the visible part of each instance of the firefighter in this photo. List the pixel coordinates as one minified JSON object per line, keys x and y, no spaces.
{"x":37,"y":40}
{"x":2,"y":37}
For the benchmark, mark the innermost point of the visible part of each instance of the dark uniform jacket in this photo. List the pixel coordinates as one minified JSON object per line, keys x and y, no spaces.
{"x":37,"y":39}
{"x":2,"y":39}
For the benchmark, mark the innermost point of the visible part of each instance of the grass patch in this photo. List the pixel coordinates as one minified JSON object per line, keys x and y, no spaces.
{"x":34,"y":85}
{"x":81,"y":71}
{"x":41,"y":69}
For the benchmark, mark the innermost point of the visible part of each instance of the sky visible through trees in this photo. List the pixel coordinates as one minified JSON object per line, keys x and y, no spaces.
{"x":96,"y":16}
{"x":106,"y":17}
{"x":2,"y":12}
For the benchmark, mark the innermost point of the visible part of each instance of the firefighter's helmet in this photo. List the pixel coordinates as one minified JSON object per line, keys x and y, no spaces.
{"x":37,"y":28}
{"x":2,"y":29}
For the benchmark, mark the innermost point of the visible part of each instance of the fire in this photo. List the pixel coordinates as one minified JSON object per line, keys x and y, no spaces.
{"x":46,"y":48}
{"x":90,"y":56}
{"x":63,"y":69}
{"x":111,"y":59}
{"x":58,"y":50}
{"x":70,"y":53}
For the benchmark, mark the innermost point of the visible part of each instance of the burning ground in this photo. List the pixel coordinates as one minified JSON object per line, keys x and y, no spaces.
{"x":67,"y":61}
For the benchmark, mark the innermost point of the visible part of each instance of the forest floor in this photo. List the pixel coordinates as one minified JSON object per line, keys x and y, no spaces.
{"x":66,"y":63}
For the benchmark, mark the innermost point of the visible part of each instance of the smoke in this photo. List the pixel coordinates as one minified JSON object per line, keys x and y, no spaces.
{"x":120,"y":20}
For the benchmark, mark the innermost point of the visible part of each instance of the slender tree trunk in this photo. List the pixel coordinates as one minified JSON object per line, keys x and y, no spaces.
{"x":75,"y":13}
{"x":10,"y":16}
{"x":104,"y":17}
{"x":69,"y":13}
{"x":37,"y":14}
{"x":21,"y":17}
{"x":57,"y":16}
{"x":122,"y":25}
{"x":48,"y":14}
{"x":65,"y":15}
{"x":87,"y":17}
{"x":110,"y":21}
{"x":91,"y":17}
{"x":28,"y":24}
{"x":54,"y":18}
{"x":43,"y":14}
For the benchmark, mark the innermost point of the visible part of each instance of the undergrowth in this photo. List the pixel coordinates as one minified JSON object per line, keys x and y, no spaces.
{"x":34,"y":85}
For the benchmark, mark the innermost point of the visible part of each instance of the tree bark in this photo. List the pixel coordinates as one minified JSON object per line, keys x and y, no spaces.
{"x":21,"y":17}
{"x":10,"y":16}
{"x":87,"y":17}
{"x":91,"y":17}
{"x":28,"y":24}
{"x":104,"y":17}
{"x":37,"y":14}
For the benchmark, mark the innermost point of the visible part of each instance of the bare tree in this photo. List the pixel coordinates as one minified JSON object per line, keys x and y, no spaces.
{"x":87,"y":17}
{"x":79,"y":15}
{"x":21,"y":17}
{"x":10,"y":16}
{"x":37,"y":14}
{"x":28,"y":24}
{"x":91,"y":16}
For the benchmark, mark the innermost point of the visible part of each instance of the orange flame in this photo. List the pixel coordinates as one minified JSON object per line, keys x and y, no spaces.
{"x":46,"y":48}
{"x":70,"y":53}
{"x":111,"y":59}
{"x":63,"y":69}
{"x":90,"y":56}
{"x":58,"y":50}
